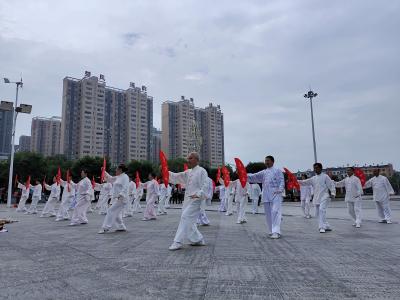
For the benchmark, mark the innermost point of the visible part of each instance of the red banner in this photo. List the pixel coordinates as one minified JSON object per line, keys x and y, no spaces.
{"x":68,"y":181}
{"x":28,"y":183}
{"x":185,"y":167}
{"x":164,"y":168}
{"x":58,"y":176}
{"x":218,"y":175}
{"x":291,"y":182}
{"x":103,"y":170}
{"x":93,"y":182}
{"x":241,"y":171}
{"x":137,"y":179}
{"x":361,"y":175}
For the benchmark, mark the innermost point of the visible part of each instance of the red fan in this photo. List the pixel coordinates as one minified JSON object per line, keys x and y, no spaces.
{"x":242,"y":173}
{"x":225,"y":173}
{"x":58,"y":176}
{"x":28,"y":183}
{"x":93,"y":182}
{"x":164,"y":168}
{"x":291,"y":182}
{"x":103,"y":170}
{"x":137,"y":179}
{"x":218,"y":174}
{"x":361,"y":175}
{"x":185,"y":167}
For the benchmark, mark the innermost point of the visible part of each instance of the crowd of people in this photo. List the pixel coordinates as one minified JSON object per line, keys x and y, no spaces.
{"x":119,"y":197}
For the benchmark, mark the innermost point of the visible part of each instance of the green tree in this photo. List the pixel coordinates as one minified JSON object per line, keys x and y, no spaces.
{"x":92,"y":164}
{"x":29,"y":164}
{"x":395,"y":182}
{"x":144,"y":167}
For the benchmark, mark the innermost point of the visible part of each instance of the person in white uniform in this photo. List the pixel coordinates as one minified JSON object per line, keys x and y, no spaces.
{"x":83,"y":199}
{"x":24,"y":196}
{"x":66,"y":199}
{"x":119,"y":200}
{"x":273,"y":184}
{"x":221,"y":195}
{"x":229,"y":196}
{"x":322,"y":185}
{"x":105,"y":189}
{"x":50,"y":207}
{"x":255,"y":193}
{"x":36,"y":197}
{"x":241,"y":198}
{"x":195,"y":181}
{"x":138,"y":196}
{"x":162,"y":197}
{"x":168,"y":199}
{"x":306,"y":193}
{"x":128,"y":210}
{"x":152,"y":192}
{"x":381,"y":194}
{"x":354,"y":191}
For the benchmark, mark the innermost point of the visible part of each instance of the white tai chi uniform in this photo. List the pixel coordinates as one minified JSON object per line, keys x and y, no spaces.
{"x":50,"y":207}
{"x":306,"y":192}
{"x":255,"y":192}
{"x":24,"y":196}
{"x":354,"y":191}
{"x":138,"y":196}
{"x":36,"y":197}
{"x":273,"y":186}
{"x":321,"y":184}
{"x":66,"y":200}
{"x":381,"y":190}
{"x":162,"y":197}
{"x":229,"y":196}
{"x":105,"y":195}
{"x":221,"y":196}
{"x":128,"y":210}
{"x":169,"y":194}
{"x":83,"y":194}
{"x":241,"y":198}
{"x":120,"y":196}
{"x":203,"y":219}
{"x":195,"y":181}
{"x":152,"y":191}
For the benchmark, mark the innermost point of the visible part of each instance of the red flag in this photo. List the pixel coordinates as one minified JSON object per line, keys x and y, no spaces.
{"x":28,"y":183}
{"x":44,"y":182}
{"x":103,"y":170}
{"x":164,"y":168}
{"x":93,"y":182}
{"x":185,"y":167}
{"x":218,"y":174}
{"x":361,"y":175}
{"x":291,"y":182}
{"x":16,"y":180}
{"x":58,"y":176}
{"x":137,"y":180}
{"x":242,"y":173}
{"x":68,"y":181}
{"x":225,"y":173}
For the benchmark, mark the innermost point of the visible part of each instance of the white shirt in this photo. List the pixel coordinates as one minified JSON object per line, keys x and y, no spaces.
{"x":210,"y":188}
{"x":84,"y":189}
{"x":195,"y":181}
{"x":71,"y":186}
{"x":239,"y":190}
{"x":104,"y":188}
{"x":255,"y":191}
{"x":381,"y":188}
{"x":24,"y":190}
{"x":132,"y":188}
{"x":153,"y":190}
{"x":163,"y":190}
{"x":321,"y":184}
{"x":353,"y":188}
{"x":306,"y":192}
{"x":273,"y":183}
{"x":221,"y":190}
{"x":120,"y":186}
{"x":55,"y":190}
{"x":37,"y":191}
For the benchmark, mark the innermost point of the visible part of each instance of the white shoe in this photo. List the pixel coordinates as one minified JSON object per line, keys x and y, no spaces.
{"x":354,"y":224}
{"x":73,"y":224}
{"x":238,"y":222}
{"x":175,"y":246}
{"x":308,"y":217}
{"x":275,"y":236}
{"x":322,"y":230}
{"x":200,"y":243}
{"x":58,"y":219}
{"x":388,"y":222}
{"x":358,"y":225}
{"x":102,"y":231}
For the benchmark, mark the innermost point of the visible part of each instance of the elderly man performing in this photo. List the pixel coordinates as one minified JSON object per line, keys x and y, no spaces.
{"x":36,"y":196}
{"x":83,"y":193}
{"x":381,"y":189}
{"x":321,"y":184}
{"x":120,"y":196}
{"x":50,"y":206}
{"x":196,"y":183}
{"x":254,"y":195}
{"x":66,"y":199}
{"x":105,"y":189}
{"x":273,"y":186}
{"x":24,"y":196}
{"x":354,"y":190}
{"x":306,"y":193}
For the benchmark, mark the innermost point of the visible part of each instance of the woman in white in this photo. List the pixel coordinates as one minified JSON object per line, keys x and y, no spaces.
{"x":138,"y":196}
{"x":128,"y":210}
{"x":306,"y":192}
{"x":50,"y":207}
{"x":24,"y":196}
{"x":241,"y":198}
{"x":66,"y":199}
{"x":169,"y":194}
{"x":36,"y":196}
{"x":105,"y":189}
{"x":162,"y":197}
{"x":354,"y":190}
{"x":83,"y":194}
{"x":152,"y":191}
{"x":255,"y":192}
{"x":119,"y":200}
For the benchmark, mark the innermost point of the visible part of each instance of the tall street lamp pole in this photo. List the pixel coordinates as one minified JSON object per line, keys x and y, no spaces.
{"x":310,"y":95}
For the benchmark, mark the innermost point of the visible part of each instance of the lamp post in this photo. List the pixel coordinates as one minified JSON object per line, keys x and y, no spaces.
{"x":23,"y":108}
{"x":310,"y":95}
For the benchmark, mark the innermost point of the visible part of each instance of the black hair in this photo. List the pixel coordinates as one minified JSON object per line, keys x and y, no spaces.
{"x":152,"y":174}
{"x":304,"y":175}
{"x":123,"y":168}
{"x":352,"y":168}
{"x":270,"y":157}
{"x":317,"y":164}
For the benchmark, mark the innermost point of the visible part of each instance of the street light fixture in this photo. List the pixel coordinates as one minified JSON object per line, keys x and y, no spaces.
{"x":310,"y":95}
{"x":23,"y":108}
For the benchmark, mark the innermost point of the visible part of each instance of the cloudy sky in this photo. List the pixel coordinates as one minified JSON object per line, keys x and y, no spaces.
{"x":254,"y":58}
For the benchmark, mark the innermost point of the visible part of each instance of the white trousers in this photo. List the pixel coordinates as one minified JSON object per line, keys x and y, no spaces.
{"x":242,"y":209}
{"x":33,"y":208}
{"x":136,"y":204}
{"x":273,"y":215}
{"x":21,"y":205}
{"x":384,"y":210}
{"x":229,"y":205}
{"x":167,"y":202}
{"x":128,"y":210}
{"x":114,"y":216}
{"x":79,"y":214}
{"x":187,"y":228}
{"x":62,"y":212}
{"x":320,"y":213}
{"x":305,"y":207}
{"x":203,"y":219}
{"x":254,"y":206}
{"x":103,"y":204}
{"x":161,"y":205}
{"x":354,"y":209}
{"x":50,"y":207}
{"x":222,"y":205}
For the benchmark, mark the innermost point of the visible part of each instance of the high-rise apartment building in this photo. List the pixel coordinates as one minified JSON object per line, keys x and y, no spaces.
{"x":5,"y":133}
{"x":156,"y":145}
{"x":45,"y":135}
{"x":24,"y":143}
{"x":99,"y":120}
{"x":186,"y":128}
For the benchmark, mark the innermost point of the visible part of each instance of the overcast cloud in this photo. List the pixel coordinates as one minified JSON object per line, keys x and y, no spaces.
{"x":254,"y":58}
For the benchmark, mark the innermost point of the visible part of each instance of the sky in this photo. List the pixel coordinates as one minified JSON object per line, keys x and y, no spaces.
{"x":254,"y":58}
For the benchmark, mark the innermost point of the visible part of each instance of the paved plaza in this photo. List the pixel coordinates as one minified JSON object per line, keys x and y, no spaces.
{"x":44,"y":259}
